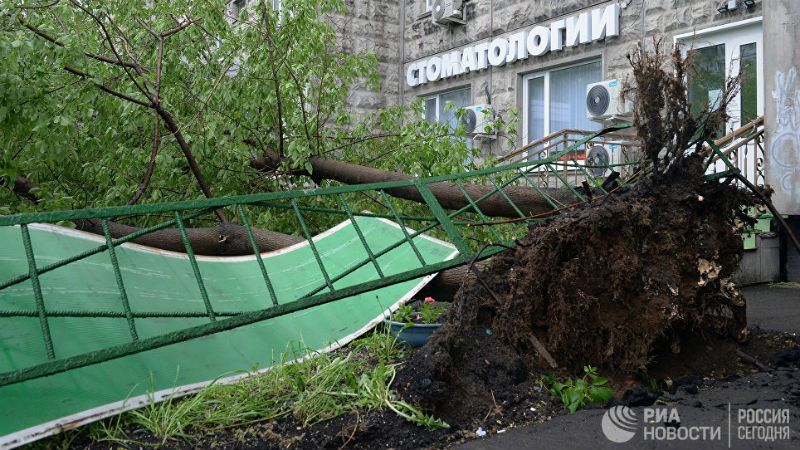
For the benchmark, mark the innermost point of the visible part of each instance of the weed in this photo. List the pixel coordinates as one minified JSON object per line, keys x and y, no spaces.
{"x":380,"y":344}
{"x":312,"y":389}
{"x":428,"y":311}
{"x":579,"y":392}
{"x":652,"y":382}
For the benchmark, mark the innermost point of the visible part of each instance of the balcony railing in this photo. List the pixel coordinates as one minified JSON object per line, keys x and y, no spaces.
{"x":743,"y":146}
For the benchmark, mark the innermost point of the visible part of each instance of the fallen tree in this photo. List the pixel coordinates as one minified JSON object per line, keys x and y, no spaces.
{"x":639,"y":275}
{"x":229,"y":239}
{"x":527,"y":199}
{"x":125,"y":76}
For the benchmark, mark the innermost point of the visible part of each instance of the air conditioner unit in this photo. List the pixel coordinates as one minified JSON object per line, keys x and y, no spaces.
{"x":478,"y":121}
{"x":604,"y":102}
{"x":445,"y":12}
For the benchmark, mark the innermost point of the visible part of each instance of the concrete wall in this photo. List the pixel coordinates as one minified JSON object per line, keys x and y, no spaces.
{"x":782,"y":114}
{"x":372,"y":26}
{"x":490,"y":18}
{"x":761,"y":264}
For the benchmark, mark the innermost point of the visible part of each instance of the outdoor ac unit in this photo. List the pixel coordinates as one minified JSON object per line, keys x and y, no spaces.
{"x":477,"y":119}
{"x":597,"y":159}
{"x":604,"y":102}
{"x":447,"y":11}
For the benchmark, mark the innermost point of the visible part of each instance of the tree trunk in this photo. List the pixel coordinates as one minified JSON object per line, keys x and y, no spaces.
{"x":231,"y":240}
{"x":527,"y":199}
{"x":223,"y":240}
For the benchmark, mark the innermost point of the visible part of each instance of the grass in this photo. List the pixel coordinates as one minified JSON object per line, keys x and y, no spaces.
{"x":315,"y":389}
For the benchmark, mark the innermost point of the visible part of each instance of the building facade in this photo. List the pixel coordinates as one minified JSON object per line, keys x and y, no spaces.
{"x":537,"y":57}
{"x":560,"y":46}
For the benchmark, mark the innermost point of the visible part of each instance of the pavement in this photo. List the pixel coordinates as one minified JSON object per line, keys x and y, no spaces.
{"x":758,"y":411}
{"x":773,"y":306}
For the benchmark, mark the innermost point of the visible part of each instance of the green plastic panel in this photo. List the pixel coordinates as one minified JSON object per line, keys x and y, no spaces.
{"x":161,"y":281}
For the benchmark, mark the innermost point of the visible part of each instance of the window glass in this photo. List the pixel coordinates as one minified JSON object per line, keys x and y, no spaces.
{"x":436,"y":109}
{"x":430,"y":109}
{"x":460,"y":99}
{"x":556,"y":100}
{"x":707,"y":82}
{"x":749,"y":73}
{"x":436,"y":106}
{"x":568,"y":97}
{"x":535,"y":108}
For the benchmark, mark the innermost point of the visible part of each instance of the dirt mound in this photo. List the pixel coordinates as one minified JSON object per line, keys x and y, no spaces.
{"x":611,"y":284}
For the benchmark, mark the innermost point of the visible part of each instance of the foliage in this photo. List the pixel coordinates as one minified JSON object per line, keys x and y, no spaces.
{"x":420,"y":312}
{"x":579,"y":392}
{"x":235,"y":88}
{"x":309,"y":390}
{"x":666,"y":122}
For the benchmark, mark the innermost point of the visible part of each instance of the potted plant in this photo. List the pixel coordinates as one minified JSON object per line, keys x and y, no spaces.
{"x":414,"y":322}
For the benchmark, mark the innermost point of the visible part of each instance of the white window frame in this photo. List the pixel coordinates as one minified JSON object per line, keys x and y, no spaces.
{"x":716,"y":35}
{"x":437,"y":96}
{"x":546,"y":75}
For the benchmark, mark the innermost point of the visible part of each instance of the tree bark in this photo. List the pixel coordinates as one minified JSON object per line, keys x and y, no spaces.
{"x":528,"y":200}
{"x":223,"y":240}
{"x":232,"y":240}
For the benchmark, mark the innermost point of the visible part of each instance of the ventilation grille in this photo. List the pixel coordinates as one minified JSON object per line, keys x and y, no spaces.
{"x":598,"y":100}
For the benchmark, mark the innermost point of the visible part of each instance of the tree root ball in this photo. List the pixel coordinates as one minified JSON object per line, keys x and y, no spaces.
{"x":610,"y":284}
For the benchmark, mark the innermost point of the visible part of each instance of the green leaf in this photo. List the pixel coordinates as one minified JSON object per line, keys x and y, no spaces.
{"x":600,"y":394}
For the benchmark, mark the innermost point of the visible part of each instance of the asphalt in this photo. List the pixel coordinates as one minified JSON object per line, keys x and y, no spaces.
{"x":713,"y":410}
{"x":774,"y":307}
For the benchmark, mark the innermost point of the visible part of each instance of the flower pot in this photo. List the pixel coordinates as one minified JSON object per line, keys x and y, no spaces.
{"x":416,"y":335}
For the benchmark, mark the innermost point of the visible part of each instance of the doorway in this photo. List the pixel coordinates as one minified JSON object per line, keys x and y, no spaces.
{"x":723,"y":52}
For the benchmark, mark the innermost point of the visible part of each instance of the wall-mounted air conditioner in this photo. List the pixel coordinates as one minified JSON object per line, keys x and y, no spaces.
{"x":604,"y":102}
{"x":445,"y":12}
{"x":478,"y":121}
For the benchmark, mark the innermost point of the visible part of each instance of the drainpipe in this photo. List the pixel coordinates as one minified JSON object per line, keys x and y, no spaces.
{"x":401,"y":76}
{"x":491,"y":35}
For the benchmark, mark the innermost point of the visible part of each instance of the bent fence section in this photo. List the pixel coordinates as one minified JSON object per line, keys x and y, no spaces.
{"x":91,"y":323}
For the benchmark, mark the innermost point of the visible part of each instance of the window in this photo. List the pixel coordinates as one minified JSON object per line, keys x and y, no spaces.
{"x":435,"y":106}
{"x":748,"y":70}
{"x":722,"y":52}
{"x":428,"y":5}
{"x":555,"y":100}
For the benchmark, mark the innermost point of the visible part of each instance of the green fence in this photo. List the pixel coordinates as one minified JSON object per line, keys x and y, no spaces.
{"x":74,"y":306}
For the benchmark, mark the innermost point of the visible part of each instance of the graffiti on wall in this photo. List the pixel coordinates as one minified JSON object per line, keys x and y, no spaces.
{"x":785,"y":145}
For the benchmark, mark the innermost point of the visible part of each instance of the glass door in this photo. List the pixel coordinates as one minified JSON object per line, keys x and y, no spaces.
{"x":728,"y":51}
{"x":719,"y":53}
{"x":555,"y":100}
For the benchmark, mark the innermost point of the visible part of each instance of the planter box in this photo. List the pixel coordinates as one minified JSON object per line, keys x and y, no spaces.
{"x":416,"y":335}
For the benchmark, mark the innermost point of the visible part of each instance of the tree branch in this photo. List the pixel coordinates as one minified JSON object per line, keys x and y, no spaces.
{"x":105,"y":88}
{"x":94,"y":56}
{"x":187,"y":152}
{"x":274,"y":69}
{"x":151,"y":165}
